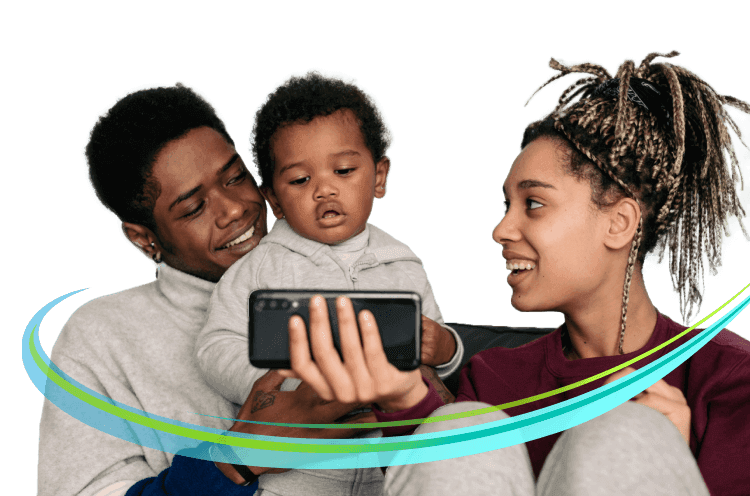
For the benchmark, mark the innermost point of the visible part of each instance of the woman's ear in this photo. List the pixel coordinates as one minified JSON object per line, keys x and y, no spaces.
{"x":381,"y":175}
{"x":143,"y":238}
{"x":624,"y":218}
{"x":270,"y":197}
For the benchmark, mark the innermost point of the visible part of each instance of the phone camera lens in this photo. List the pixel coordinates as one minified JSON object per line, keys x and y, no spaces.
{"x":272,"y":304}
{"x":284,"y":304}
{"x":259,"y":305}
{"x":295,"y":304}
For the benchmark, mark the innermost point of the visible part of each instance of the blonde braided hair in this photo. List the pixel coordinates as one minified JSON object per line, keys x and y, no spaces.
{"x":672,"y":155}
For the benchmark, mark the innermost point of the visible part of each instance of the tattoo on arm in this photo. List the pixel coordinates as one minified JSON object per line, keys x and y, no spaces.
{"x":430,"y":374}
{"x":263,"y":400}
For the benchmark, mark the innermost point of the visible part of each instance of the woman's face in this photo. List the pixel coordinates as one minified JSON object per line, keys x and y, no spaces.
{"x":209,"y":212}
{"x":553,"y":230}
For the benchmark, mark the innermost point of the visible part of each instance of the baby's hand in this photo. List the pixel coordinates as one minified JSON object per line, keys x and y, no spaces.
{"x":438,"y":344}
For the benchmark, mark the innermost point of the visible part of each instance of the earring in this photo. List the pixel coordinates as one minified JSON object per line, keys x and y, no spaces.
{"x":382,"y":188}
{"x":156,"y":256}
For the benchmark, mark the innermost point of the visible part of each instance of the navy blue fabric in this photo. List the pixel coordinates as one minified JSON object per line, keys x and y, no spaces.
{"x":188,"y":476}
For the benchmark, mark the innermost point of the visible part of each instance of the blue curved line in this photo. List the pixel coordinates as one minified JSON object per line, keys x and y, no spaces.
{"x":428,"y":447}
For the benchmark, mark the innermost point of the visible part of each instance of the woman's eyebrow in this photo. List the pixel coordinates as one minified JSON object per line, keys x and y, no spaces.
{"x":533,"y":183}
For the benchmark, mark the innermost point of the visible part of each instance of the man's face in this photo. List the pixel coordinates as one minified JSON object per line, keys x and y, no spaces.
{"x":209,"y":212}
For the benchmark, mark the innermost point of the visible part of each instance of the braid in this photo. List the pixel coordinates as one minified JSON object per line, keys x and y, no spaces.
{"x":677,"y":163}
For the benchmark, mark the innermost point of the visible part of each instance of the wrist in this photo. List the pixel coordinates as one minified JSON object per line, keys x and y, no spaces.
{"x":410,"y":398}
{"x":448,"y":346}
{"x":241,"y":477}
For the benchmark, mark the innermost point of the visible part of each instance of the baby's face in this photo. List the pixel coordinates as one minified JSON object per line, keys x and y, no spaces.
{"x":325,"y":178}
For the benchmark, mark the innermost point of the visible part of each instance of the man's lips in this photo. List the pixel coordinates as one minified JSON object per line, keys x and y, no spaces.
{"x":242,"y":235}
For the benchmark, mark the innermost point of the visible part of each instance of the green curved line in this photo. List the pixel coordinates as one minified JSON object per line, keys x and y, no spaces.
{"x":249,"y":442}
{"x":503,"y":406}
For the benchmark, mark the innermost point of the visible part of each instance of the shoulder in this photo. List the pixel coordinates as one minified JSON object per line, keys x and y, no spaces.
{"x":104,"y":320}
{"x":389,"y":249}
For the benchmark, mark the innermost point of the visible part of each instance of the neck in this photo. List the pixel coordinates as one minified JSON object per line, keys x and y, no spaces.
{"x":594,"y":329}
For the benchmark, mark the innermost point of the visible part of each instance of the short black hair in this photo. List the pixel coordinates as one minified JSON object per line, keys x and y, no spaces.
{"x":126,"y":140}
{"x":300,"y":100}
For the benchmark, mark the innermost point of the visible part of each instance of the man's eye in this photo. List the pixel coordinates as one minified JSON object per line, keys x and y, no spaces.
{"x":343,"y":172}
{"x":239,"y":177}
{"x":533,"y":204}
{"x":194,"y":212}
{"x":301,"y":180}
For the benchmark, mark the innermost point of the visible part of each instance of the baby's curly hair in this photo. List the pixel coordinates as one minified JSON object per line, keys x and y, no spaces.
{"x":300,"y":100}
{"x":659,"y":134}
{"x":126,"y":140}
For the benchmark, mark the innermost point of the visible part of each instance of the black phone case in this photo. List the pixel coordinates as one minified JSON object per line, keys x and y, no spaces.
{"x":397,"y":313}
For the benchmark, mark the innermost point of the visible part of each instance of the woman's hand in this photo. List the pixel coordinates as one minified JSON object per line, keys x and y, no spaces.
{"x":365,"y":375}
{"x":266,"y":403}
{"x":438,"y":343}
{"x":663,"y":398}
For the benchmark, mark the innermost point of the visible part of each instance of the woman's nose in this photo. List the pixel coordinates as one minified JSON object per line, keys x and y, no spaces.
{"x":506,"y":231}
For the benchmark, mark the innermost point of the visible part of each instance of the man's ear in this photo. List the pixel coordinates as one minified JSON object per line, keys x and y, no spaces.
{"x":143,"y":238}
{"x":270,"y":197}
{"x":624,"y":218}
{"x":381,"y":176}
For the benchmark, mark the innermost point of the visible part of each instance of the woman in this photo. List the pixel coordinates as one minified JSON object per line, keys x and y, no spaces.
{"x":164,"y":163}
{"x":640,"y":160}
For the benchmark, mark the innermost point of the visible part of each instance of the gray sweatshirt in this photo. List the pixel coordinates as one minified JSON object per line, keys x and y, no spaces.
{"x":137,"y":347}
{"x":286,"y":260}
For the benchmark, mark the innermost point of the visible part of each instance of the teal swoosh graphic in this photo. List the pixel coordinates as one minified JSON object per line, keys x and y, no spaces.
{"x":165,"y":434}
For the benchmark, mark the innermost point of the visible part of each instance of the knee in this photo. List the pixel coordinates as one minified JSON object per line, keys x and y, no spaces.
{"x":456,"y":423}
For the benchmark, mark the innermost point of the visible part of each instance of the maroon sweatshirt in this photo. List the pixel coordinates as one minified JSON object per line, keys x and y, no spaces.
{"x":715,"y":382}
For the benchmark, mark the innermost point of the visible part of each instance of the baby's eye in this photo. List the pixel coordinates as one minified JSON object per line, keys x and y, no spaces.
{"x":343,"y":172}
{"x":533,"y":204}
{"x":301,"y":180}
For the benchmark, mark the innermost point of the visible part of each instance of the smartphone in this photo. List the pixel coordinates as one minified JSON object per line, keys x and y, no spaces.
{"x":397,"y":313}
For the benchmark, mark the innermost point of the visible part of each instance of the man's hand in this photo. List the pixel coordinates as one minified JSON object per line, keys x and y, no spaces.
{"x":438,"y":343}
{"x":266,"y":403}
{"x":663,"y":398}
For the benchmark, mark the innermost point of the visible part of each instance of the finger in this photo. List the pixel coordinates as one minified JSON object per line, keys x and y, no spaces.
{"x":661,"y":388}
{"x":302,"y":364}
{"x":325,"y":354}
{"x":288,"y":374}
{"x":351,"y":349}
{"x":619,"y":374}
{"x":371,"y":342}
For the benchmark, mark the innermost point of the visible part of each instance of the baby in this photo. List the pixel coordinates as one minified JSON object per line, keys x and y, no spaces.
{"x":320,"y":148}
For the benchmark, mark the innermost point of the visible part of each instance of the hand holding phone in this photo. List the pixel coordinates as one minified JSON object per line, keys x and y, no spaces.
{"x":398,"y":316}
{"x":361,"y":372}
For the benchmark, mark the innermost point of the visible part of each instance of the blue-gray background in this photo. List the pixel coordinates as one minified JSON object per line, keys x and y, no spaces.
{"x":450,"y":81}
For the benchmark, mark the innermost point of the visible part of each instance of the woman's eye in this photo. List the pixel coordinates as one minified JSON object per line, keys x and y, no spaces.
{"x":239,"y":177}
{"x":194,"y":211}
{"x":507,"y":205}
{"x":343,"y":172}
{"x":301,"y":180}
{"x":533,"y":204}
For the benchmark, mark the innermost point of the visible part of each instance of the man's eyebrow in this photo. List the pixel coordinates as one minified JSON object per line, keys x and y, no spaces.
{"x":185,"y":196}
{"x":533,"y":183}
{"x":193,"y":191}
{"x":228,"y":164}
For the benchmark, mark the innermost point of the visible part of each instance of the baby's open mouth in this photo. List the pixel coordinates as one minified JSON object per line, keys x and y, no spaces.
{"x":329,"y":214}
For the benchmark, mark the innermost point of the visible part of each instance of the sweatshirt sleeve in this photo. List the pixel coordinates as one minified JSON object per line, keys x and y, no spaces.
{"x":189,"y":475}
{"x":222,"y":345}
{"x":423,"y":409}
{"x":431,"y":310}
{"x":725,"y":447}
